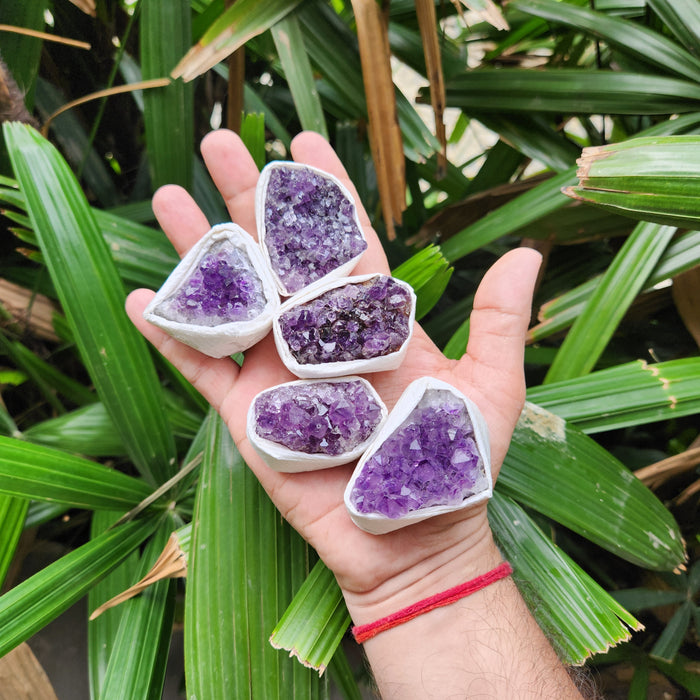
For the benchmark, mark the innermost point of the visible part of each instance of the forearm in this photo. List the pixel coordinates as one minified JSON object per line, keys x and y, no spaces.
{"x":486,"y":645}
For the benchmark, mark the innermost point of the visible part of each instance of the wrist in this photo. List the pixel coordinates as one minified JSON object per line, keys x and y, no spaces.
{"x":459,"y":560}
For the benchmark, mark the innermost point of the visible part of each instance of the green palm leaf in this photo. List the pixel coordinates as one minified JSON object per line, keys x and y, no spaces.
{"x":168,"y":111}
{"x":43,"y":473}
{"x":628,"y":37}
{"x":146,"y":624}
{"x":622,"y":281}
{"x":93,"y":299}
{"x":554,"y":468}
{"x":244,"y":565}
{"x":32,"y":604}
{"x":578,"y":616}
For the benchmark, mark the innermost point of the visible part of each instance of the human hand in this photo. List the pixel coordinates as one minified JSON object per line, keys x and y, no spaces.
{"x":378,"y":574}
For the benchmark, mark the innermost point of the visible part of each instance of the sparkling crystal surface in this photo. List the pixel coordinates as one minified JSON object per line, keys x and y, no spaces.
{"x":356,"y":321}
{"x":431,"y":459}
{"x":319,"y":417}
{"x":310,"y":226}
{"x":223,"y":288}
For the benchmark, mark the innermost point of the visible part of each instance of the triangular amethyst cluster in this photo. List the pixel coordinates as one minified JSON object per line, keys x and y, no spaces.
{"x":431,"y":459}
{"x":224,"y":287}
{"x":309,"y":227}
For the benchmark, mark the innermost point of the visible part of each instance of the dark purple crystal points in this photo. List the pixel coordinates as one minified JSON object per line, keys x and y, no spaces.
{"x":319,"y":417}
{"x":356,"y":321}
{"x":431,"y":459}
{"x":224,"y":287}
{"x":310,"y":226}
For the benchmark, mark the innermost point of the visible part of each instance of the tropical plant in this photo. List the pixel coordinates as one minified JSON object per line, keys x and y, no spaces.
{"x":94,"y":423}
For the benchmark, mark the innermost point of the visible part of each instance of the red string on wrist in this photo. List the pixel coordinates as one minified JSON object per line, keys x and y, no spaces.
{"x":364,"y":632}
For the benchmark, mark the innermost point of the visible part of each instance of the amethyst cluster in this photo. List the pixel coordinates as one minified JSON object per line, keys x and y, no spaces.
{"x":330,"y":418}
{"x":309,"y":224}
{"x":224,"y":287}
{"x":355,"y":321}
{"x":431,"y":459}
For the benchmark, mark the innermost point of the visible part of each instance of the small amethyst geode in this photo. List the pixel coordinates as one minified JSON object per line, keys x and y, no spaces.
{"x":223,"y":287}
{"x":221,"y":297}
{"x":307,"y":224}
{"x":432,"y":456}
{"x":311,"y":424}
{"x":359,"y":324}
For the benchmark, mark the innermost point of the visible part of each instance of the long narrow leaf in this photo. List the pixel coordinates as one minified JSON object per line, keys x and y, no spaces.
{"x":289,"y":42}
{"x":42,"y":473}
{"x":578,"y":616}
{"x":168,"y":111}
{"x":623,"y":280}
{"x":12,"y":515}
{"x":631,"y":394}
{"x":315,"y":621}
{"x":570,"y":91}
{"x":540,"y":200}
{"x":682,"y":17}
{"x":146,"y":625}
{"x":555,"y":469}
{"x":628,"y":37}
{"x":93,"y":300}
{"x":239,"y":23}
{"x":32,"y":604}
{"x":102,"y":631}
{"x":680,"y":255}
{"x":243,"y":563}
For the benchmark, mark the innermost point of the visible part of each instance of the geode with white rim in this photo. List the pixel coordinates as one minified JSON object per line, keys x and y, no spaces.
{"x":431,"y":457}
{"x":314,"y":423}
{"x":307,"y":225}
{"x":221,"y":297}
{"x":353,"y":325}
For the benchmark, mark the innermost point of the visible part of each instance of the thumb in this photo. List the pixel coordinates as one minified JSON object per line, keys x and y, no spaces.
{"x":499,"y":321}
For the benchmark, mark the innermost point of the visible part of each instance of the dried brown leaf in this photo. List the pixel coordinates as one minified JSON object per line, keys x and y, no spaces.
{"x":427,"y":22}
{"x":32,"y":312}
{"x":686,"y":296}
{"x":384,"y":131}
{"x":170,"y":564}
{"x":658,"y":473}
{"x":119,"y":89}
{"x":486,"y":11}
{"x":23,"y":678}
{"x":45,"y":36}
{"x":87,"y":6}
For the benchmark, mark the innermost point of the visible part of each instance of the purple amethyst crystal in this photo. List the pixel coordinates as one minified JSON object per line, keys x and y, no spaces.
{"x":310,"y":227}
{"x":224,"y":287}
{"x":330,"y":418}
{"x":356,"y":321}
{"x":431,"y":459}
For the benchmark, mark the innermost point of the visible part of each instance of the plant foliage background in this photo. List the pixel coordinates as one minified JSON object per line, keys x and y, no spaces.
{"x":107,"y":451}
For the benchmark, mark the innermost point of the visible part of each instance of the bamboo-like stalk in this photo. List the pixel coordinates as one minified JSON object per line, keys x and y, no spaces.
{"x":384,"y":131}
{"x":427,"y":22}
{"x":236,"y":82}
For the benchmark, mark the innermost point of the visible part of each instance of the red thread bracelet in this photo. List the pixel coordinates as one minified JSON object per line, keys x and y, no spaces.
{"x":364,"y":632}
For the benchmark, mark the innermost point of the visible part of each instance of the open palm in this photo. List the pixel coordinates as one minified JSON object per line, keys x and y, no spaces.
{"x":491,"y":374}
